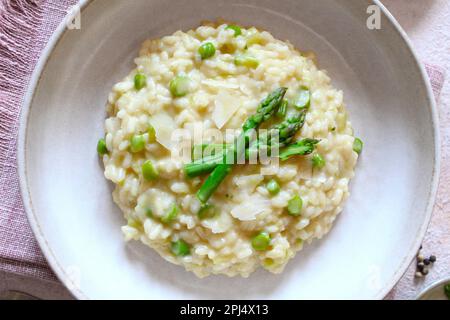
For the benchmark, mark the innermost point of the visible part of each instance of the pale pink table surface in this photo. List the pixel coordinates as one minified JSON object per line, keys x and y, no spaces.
{"x":427,"y":23}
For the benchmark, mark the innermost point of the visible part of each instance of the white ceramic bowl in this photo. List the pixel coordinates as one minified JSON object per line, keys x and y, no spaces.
{"x":391,"y":106}
{"x":435,"y":291}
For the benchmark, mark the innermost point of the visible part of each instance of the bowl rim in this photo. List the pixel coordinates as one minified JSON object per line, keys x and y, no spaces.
{"x":33,"y":218}
{"x":432,"y":286}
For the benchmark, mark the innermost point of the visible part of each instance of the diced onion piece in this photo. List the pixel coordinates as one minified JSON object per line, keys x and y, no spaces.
{"x":164,"y":126}
{"x":225,"y":106}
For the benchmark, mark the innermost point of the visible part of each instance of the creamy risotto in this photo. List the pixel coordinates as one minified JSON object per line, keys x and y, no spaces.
{"x":214,"y":79}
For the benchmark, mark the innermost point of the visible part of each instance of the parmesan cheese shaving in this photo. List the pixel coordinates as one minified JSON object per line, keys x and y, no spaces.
{"x":225,"y":106}
{"x":164,"y":126}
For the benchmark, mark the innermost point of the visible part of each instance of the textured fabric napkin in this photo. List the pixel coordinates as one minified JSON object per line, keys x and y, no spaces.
{"x":25,"y":26}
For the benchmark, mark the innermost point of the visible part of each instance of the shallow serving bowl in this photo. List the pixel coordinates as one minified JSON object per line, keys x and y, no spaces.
{"x":391,"y":107}
{"x":435,"y":291}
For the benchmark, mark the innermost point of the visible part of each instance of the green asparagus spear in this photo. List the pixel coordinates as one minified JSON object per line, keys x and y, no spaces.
{"x":288,"y":128}
{"x":265,"y":110}
{"x":282,"y":110}
{"x":284,"y":131}
{"x":212,"y":148}
{"x":279,"y":135}
{"x":302,"y":147}
{"x":213,"y":182}
{"x":208,"y":164}
{"x":202,"y":166}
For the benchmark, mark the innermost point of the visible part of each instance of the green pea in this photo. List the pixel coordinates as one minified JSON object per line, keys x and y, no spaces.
{"x":180,"y":248}
{"x":237,"y":30}
{"x":140,"y":81}
{"x":179,"y":86}
{"x":318,"y":161}
{"x":171,"y":214}
{"x":101,"y":147}
{"x":151,"y":134}
{"x":261,"y":241}
{"x":273,"y":187}
{"x":246,"y":61}
{"x":137,"y":143}
{"x":303,"y":99}
{"x":207,"y":50}
{"x":358,"y":145}
{"x":207,"y":211}
{"x":295,"y":206}
{"x":149,"y":172}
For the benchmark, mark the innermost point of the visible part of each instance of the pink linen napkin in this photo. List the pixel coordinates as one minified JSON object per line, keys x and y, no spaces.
{"x":25,"y":26}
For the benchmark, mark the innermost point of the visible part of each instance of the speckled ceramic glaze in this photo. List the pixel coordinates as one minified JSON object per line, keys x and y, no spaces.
{"x":391,"y":107}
